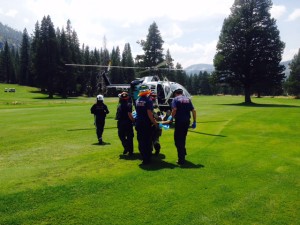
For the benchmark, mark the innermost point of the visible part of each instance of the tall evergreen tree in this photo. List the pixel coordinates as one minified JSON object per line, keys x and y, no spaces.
{"x":180,"y":75}
{"x":170,"y":73}
{"x":34,"y":56}
{"x":249,"y":49}
{"x":48,"y":53}
{"x":292,"y":84}
{"x":127,"y":61}
{"x":94,"y":60}
{"x":25,"y":60}
{"x":115,"y":72}
{"x":1,"y":68}
{"x":153,"y":47}
{"x":16,"y":64}
{"x":73,"y":42}
{"x":7,"y":69}
{"x":86,"y":82}
{"x":64,"y":72}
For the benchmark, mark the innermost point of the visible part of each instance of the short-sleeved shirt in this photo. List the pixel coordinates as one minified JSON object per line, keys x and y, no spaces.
{"x":142,"y":105}
{"x":184,"y":106}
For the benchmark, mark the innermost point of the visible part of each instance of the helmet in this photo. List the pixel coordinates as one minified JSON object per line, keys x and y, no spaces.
{"x":124,"y":96}
{"x":144,"y":90}
{"x":100,"y":98}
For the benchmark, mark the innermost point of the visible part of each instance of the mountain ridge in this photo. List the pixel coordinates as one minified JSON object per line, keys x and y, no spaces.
{"x":201,"y":67}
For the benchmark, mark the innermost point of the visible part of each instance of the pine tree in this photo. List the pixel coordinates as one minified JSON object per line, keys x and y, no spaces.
{"x":181,"y":76}
{"x":127,"y":61}
{"x":169,"y":71}
{"x":292,"y":84}
{"x":34,"y":59}
{"x":25,"y":60}
{"x":153,"y":47}
{"x":115,"y":72}
{"x":86,"y":81}
{"x":48,"y":55}
{"x":7,"y":69}
{"x":249,"y":49}
{"x":64,"y":72}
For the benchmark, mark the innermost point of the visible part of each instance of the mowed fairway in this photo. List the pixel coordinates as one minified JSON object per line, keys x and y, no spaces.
{"x":243,"y":165}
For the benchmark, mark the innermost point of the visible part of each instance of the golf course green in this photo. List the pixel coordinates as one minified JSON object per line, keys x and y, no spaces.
{"x":243,"y":165}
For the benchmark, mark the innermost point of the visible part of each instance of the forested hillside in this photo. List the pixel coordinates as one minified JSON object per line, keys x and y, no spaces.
{"x":12,"y":36}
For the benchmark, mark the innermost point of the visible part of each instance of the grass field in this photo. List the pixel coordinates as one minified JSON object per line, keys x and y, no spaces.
{"x":243,"y":165}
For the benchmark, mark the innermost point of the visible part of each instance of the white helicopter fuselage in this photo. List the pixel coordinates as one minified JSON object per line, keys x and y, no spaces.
{"x":164,"y":90}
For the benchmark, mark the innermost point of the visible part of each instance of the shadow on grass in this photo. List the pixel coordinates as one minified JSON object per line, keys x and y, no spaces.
{"x":215,"y":135}
{"x":54,"y":98}
{"x":157,"y":163}
{"x":104,"y":143}
{"x":80,"y":129}
{"x":190,"y":165}
{"x":262,"y":105}
{"x":92,"y":128}
{"x":215,"y":121}
{"x":134,"y":156}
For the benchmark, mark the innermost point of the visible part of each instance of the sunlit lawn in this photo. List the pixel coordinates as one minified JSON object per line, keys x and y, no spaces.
{"x":243,"y":165}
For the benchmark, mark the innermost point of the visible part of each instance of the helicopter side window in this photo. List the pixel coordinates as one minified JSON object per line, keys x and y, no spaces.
{"x":167,"y":89}
{"x":160,"y":93}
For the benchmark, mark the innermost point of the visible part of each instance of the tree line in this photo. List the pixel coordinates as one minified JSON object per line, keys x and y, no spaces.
{"x":42,"y":57}
{"x":247,"y":59}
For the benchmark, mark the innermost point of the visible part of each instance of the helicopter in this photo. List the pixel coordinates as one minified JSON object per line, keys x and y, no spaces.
{"x":164,"y":89}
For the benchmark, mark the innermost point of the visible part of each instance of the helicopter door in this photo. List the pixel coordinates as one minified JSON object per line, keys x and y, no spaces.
{"x":160,"y":94}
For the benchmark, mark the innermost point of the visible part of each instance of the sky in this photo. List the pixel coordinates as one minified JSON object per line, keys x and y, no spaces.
{"x":190,"y":29}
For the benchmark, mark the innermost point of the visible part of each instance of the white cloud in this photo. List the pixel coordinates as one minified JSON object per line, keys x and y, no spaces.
{"x":12,"y":13}
{"x":277,"y":11}
{"x":196,"y":53}
{"x":171,"y":33}
{"x":289,"y":54}
{"x":295,"y":15}
{"x":189,"y":28}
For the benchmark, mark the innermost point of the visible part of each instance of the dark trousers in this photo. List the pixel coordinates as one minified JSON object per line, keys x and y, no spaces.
{"x":99,"y":123}
{"x":180,"y":133}
{"x":156,"y":133}
{"x":144,"y":138}
{"x":125,"y":133}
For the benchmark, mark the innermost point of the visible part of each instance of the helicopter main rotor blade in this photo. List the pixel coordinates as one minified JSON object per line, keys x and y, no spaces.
{"x":101,"y":66}
{"x":163,"y":63}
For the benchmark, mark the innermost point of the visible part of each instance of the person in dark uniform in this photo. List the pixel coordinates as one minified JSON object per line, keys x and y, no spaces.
{"x":125,"y":123}
{"x":143,"y":123}
{"x":99,"y":109}
{"x":156,"y":130}
{"x":181,"y":111}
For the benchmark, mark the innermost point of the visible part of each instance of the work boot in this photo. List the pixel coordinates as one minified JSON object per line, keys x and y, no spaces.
{"x":180,"y":161}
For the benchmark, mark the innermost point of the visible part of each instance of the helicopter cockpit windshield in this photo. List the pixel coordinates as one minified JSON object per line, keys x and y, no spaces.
{"x":175,"y":86}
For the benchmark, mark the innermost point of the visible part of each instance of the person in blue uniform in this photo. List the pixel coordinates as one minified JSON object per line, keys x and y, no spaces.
{"x":143,"y":124}
{"x":125,"y":123}
{"x":99,"y":109}
{"x":181,"y":112}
